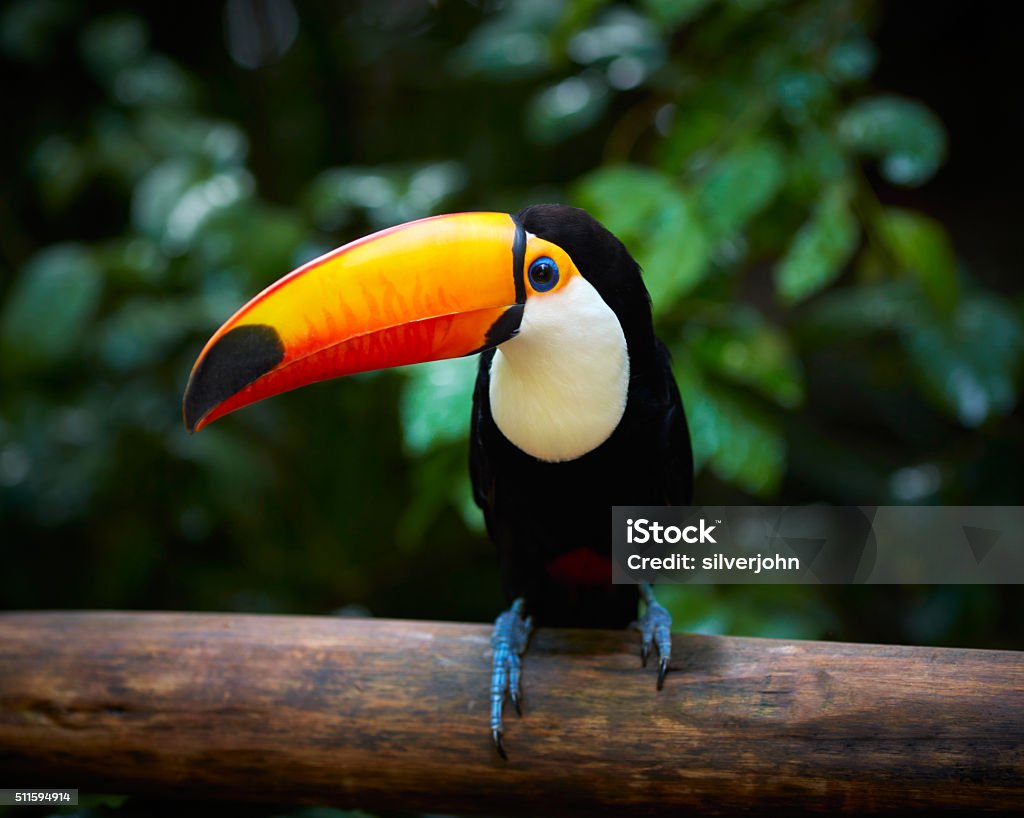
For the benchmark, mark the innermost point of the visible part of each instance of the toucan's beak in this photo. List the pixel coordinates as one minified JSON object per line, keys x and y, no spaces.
{"x":436,"y":288}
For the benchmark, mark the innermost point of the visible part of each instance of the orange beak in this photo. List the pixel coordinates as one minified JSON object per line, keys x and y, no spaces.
{"x":437,"y":288}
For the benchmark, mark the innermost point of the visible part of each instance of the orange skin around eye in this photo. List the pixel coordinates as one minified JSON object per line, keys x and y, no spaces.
{"x":537,"y":248}
{"x":422,"y":291}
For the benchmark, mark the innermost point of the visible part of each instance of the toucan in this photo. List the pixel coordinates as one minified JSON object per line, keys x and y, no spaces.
{"x":575,"y":407}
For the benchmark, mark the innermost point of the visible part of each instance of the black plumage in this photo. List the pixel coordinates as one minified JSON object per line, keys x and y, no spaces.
{"x":551,"y":522}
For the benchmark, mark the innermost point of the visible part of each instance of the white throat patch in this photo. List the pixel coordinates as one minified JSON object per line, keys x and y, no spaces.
{"x":558,"y":389}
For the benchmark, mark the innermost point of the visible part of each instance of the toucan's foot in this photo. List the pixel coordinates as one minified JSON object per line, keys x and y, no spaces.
{"x":511,"y":633}
{"x":655,"y":627}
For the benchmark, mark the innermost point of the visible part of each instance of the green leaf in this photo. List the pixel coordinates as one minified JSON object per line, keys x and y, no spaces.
{"x":182,"y":137}
{"x":739,"y":186}
{"x":803,"y":95}
{"x":819,"y":250}
{"x":512,"y":44}
{"x":132,"y":261}
{"x":157,"y":193}
{"x":857,"y":312}
{"x":625,"y":41}
{"x":144,"y":330}
{"x":819,"y":163}
{"x":463,"y":499}
{"x":689,"y":132}
{"x":670,"y":14}
{"x":623,"y":197}
{"x":921,"y":247}
{"x":433,"y":492}
{"x":751,"y":352}
{"x":779,"y":611}
{"x":851,"y":60}
{"x":739,"y":442}
{"x":61,"y":169}
{"x":153,"y":83}
{"x":905,"y":135}
{"x":273,"y":238}
{"x":114,"y":43}
{"x":50,"y":306}
{"x":385,"y":194}
{"x":676,"y":254}
{"x":174,"y":201}
{"x":436,"y":401}
{"x":970,"y":365}
{"x":337,"y":193}
{"x":566,"y":108}
{"x":657,"y":221}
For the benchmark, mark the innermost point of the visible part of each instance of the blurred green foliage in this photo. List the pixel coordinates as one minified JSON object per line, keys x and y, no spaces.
{"x":829,"y":342}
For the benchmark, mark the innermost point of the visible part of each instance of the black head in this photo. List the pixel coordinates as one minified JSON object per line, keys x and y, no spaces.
{"x":604,"y":261}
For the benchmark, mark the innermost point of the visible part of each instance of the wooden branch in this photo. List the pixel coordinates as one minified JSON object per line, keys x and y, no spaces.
{"x":393,"y":715}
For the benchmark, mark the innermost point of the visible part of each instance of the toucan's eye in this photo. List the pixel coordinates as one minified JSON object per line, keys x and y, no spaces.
{"x":543,"y":274}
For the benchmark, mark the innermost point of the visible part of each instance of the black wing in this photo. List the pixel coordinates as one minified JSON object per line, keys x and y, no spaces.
{"x":674,"y":437}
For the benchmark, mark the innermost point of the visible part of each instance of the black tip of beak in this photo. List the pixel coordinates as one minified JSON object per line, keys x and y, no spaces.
{"x":240,"y":357}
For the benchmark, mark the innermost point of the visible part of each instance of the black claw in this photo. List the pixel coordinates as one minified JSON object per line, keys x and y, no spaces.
{"x":662,"y":672}
{"x":496,"y":735}
{"x":517,"y":704}
{"x":645,"y":651}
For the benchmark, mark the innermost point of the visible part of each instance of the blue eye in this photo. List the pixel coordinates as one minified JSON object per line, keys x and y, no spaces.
{"x":543,"y":274}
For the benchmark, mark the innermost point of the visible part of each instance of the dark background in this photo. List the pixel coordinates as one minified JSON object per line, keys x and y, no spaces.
{"x":825,"y":196}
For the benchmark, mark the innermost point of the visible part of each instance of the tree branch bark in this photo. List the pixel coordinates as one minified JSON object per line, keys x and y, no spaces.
{"x":393,"y":715}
